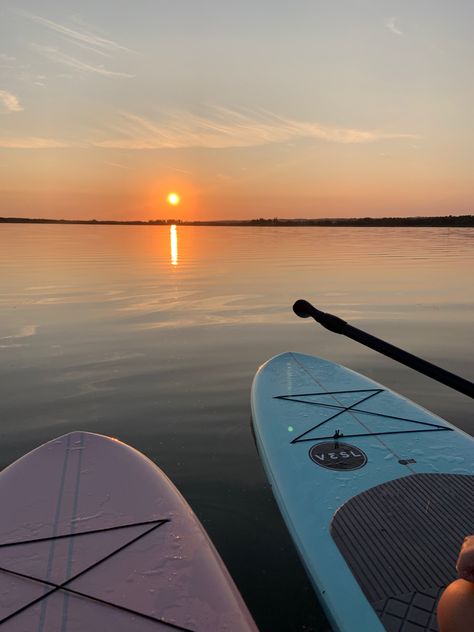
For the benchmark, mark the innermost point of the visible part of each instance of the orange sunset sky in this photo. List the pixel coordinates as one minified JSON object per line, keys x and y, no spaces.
{"x":245,"y":109}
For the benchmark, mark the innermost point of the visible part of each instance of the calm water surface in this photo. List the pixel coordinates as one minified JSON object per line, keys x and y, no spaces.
{"x":153,"y":335}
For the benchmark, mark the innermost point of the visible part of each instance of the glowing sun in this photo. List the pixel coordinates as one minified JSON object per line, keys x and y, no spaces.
{"x":173,"y":199}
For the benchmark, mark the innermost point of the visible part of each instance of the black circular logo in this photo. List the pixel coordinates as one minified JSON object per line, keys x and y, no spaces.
{"x":335,"y":455}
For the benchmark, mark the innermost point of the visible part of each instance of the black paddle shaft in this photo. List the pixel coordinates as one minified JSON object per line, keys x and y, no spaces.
{"x":304,"y":309}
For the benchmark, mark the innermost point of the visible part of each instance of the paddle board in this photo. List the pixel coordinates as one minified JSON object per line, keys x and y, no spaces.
{"x":377,"y":492}
{"x":94,"y":537}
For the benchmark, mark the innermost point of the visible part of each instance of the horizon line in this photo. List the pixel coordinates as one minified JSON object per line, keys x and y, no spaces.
{"x":275,"y":221}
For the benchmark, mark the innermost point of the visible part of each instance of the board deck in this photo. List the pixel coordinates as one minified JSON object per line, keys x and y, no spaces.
{"x":377,"y":492}
{"x":93,"y":536}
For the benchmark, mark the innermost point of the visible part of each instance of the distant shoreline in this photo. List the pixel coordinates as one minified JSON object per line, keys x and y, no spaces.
{"x":432,"y":221}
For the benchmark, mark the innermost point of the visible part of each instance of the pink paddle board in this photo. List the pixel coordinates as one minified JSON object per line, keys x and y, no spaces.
{"x":94,"y":537}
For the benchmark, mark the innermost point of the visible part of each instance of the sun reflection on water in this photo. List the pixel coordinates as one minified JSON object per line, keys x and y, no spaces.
{"x":174,"y":245}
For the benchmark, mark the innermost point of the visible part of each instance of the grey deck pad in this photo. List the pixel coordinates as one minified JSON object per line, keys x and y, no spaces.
{"x":401,"y":540}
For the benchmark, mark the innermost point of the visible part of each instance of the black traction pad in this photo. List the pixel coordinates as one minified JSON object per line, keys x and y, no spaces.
{"x":401,"y":540}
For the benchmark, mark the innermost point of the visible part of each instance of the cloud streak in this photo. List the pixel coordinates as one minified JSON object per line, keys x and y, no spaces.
{"x":7,"y":61}
{"x":10,"y":101}
{"x":222,"y":128}
{"x":226,"y":128}
{"x":56,"y":55}
{"x":391,"y":24}
{"x":93,"y":45}
{"x":32,"y":142}
{"x":80,"y":37}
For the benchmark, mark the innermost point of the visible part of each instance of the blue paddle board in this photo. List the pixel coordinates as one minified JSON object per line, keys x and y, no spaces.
{"x":377,"y":492}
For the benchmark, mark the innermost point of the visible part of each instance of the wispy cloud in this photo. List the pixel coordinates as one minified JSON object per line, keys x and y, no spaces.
{"x":32,"y":142}
{"x":10,"y":101}
{"x":225,"y":128}
{"x":391,"y":24}
{"x":76,"y":36}
{"x":7,"y":61}
{"x":118,"y":165}
{"x":56,"y":55}
{"x":222,"y":128}
{"x":70,"y":39}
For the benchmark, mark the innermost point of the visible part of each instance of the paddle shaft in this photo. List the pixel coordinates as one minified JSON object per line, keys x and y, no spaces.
{"x":339,"y":326}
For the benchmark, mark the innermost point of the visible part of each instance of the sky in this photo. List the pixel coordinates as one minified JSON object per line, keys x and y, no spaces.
{"x":255,"y":108}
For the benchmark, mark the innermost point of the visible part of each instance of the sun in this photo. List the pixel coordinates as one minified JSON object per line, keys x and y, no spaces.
{"x":173,"y":199}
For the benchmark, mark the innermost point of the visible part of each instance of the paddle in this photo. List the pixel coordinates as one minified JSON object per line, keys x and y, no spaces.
{"x":303,"y":309}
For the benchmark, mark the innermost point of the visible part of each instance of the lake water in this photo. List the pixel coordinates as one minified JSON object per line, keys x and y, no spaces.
{"x":153,"y":335}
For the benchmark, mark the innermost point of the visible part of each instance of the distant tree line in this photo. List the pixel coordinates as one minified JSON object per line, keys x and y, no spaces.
{"x":30,"y":220}
{"x":445,"y":220}
{"x":432,"y":221}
